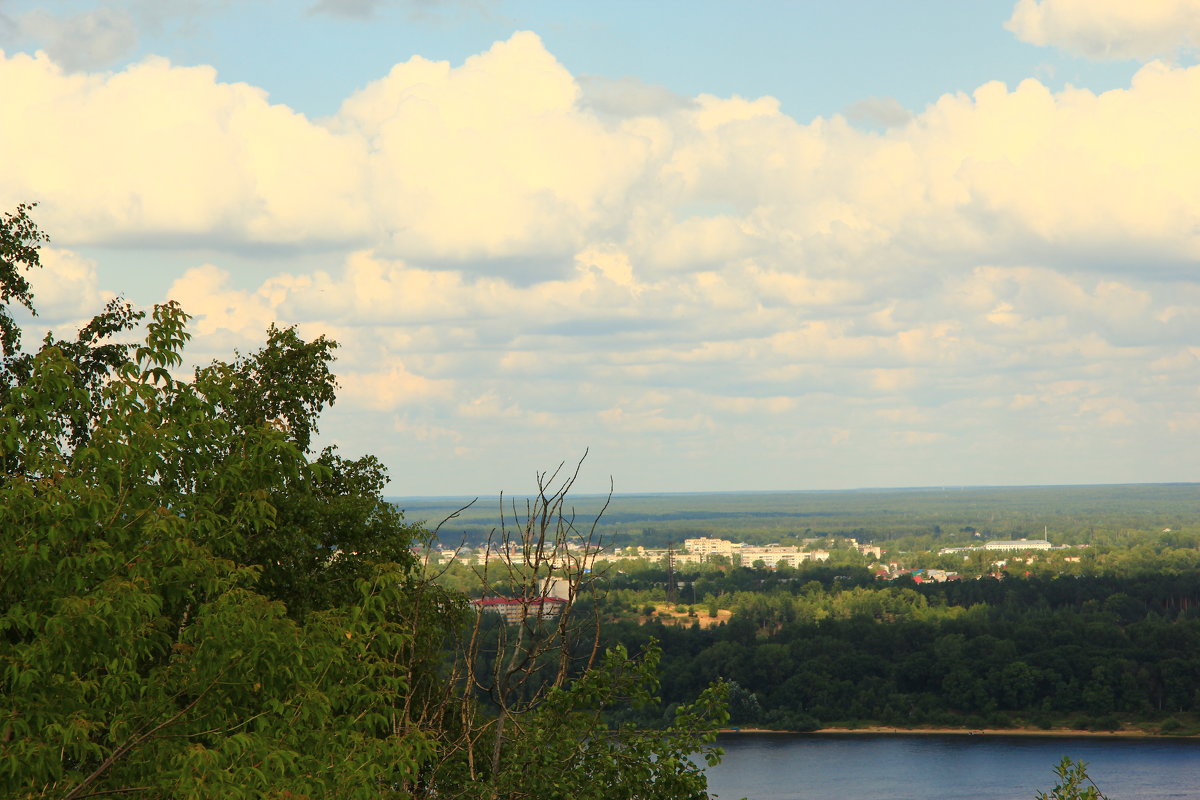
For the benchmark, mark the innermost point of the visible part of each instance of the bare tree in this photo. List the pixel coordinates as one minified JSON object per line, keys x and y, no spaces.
{"x":527,"y":637}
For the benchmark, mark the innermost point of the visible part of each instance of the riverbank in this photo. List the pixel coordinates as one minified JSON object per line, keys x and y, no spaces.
{"x":1128,"y":733}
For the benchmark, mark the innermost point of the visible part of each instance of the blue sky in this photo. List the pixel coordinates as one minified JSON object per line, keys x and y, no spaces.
{"x":816,"y":58}
{"x":725,"y":246}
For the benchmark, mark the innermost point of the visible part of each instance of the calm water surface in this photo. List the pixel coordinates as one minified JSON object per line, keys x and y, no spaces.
{"x":885,"y":767}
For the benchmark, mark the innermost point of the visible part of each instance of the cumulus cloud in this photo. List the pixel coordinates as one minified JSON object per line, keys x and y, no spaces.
{"x":518,"y":256}
{"x":206,"y":292}
{"x":1109,"y":29}
{"x":164,"y":153}
{"x":501,"y":166}
{"x":490,"y":159}
{"x":65,"y":290}
{"x":66,"y":294}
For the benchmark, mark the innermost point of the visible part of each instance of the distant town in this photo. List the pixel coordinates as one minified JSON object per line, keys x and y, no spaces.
{"x":706,"y":550}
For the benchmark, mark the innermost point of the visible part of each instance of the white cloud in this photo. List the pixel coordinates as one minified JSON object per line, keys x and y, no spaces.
{"x":66,"y":288}
{"x":205,"y":293}
{"x":202,"y":161}
{"x":512,"y":261}
{"x":498,"y":166}
{"x":389,"y":385}
{"x":490,"y":159}
{"x":66,"y":294}
{"x":1109,"y":29}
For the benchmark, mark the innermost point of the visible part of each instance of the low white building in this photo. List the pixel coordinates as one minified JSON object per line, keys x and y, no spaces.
{"x":1004,"y":546}
{"x":1017,"y":544}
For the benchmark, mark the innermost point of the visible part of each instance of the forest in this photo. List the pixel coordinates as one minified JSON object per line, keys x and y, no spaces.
{"x":1113,"y":646}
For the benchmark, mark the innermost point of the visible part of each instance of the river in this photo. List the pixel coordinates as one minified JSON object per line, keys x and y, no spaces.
{"x":946,"y":767}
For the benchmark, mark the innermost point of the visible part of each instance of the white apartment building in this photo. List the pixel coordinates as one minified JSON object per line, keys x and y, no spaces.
{"x":747,"y":554}
{"x":705,"y":547}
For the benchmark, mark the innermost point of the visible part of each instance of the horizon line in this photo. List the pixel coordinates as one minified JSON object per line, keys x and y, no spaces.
{"x":933,"y":487}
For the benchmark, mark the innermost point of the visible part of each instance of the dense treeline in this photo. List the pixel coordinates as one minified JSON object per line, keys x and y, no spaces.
{"x":1088,"y":651}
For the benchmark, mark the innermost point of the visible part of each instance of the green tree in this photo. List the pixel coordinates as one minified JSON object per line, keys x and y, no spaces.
{"x":567,"y":750}
{"x":193,"y":604}
{"x":1071,"y":786}
{"x":20,"y":239}
{"x":93,"y":354}
{"x":136,"y":653}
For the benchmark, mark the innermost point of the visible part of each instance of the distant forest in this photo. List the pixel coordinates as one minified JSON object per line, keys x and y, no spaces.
{"x":1068,"y":514}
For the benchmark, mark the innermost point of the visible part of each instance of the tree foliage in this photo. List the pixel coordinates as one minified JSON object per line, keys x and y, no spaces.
{"x":1074,"y":783}
{"x":20,"y":239}
{"x":567,"y":734}
{"x":137,"y":653}
{"x":194,"y":604}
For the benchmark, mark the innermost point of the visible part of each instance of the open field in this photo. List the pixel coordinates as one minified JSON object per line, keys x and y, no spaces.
{"x":677,"y":615}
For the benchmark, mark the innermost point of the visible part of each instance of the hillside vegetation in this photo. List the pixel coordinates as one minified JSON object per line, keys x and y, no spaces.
{"x":194,"y":602}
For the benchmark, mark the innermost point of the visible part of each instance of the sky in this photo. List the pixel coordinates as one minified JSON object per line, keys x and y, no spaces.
{"x":720,"y":246}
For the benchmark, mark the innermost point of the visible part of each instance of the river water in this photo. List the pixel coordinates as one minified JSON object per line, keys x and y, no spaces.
{"x":950,"y":767}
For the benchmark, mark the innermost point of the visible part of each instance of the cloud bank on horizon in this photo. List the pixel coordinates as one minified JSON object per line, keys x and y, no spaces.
{"x":521,"y":262}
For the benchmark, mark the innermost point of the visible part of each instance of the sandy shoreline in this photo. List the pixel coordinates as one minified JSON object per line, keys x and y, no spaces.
{"x":1055,"y":732}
